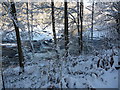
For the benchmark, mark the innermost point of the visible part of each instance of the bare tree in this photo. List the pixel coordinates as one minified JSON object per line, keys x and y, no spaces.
{"x":81,"y":20}
{"x":31,"y":20}
{"x":53,"y":28}
{"x":78,"y":22}
{"x":28,"y":25}
{"x":15,"y":23}
{"x":53,"y":21}
{"x":92,"y":19}
{"x":66,"y":27}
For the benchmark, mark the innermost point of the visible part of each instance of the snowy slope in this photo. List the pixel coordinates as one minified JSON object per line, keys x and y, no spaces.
{"x":38,"y":34}
{"x":76,"y":72}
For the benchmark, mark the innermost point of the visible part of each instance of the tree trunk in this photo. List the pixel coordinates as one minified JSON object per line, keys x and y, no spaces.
{"x":53,"y":28}
{"x":78,"y":23}
{"x":81,"y":20}
{"x":28,"y":25}
{"x":15,"y":22}
{"x":66,"y":27}
{"x":53,"y":22}
{"x":31,"y":21}
{"x":3,"y":82}
{"x":92,"y":20}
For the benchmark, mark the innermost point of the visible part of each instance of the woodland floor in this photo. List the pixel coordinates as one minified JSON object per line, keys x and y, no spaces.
{"x":96,"y":67}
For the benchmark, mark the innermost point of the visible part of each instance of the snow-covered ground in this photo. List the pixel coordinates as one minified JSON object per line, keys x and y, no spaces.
{"x":96,"y":34}
{"x":75,"y":72}
{"x":84,"y":71}
{"x":38,"y":34}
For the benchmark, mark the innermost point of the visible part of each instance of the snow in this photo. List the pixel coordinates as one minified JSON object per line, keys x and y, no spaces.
{"x":106,"y":80}
{"x":41,"y":35}
{"x":97,"y":35}
{"x":95,"y":67}
{"x":83,"y":71}
{"x":38,"y":34}
{"x":80,"y":72}
{"x":8,"y":44}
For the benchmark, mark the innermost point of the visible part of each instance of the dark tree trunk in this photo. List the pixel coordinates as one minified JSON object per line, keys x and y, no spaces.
{"x":53,"y":22}
{"x":92,"y":20}
{"x":78,"y":22}
{"x":53,"y":28}
{"x":3,"y":82}
{"x":81,"y":27}
{"x":27,"y":13}
{"x":66,"y":27}
{"x":31,"y":21}
{"x":15,"y":22}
